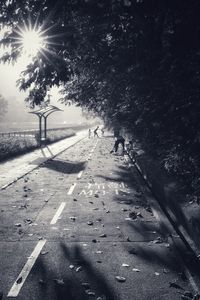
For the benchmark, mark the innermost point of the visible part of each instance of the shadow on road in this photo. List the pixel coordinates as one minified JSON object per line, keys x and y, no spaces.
{"x":180,"y":246}
{"x":65,"y":167}
{"x":66,"y":284}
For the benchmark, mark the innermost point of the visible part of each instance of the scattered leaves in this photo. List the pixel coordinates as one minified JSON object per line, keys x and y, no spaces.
{"x":120,"y":278}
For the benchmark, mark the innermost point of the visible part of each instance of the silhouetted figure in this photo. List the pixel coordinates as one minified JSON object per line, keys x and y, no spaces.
{"x":119,"y":140}
{"x":95,"y":132}
{"x":89,"y":133}
{"x":102,"y":132}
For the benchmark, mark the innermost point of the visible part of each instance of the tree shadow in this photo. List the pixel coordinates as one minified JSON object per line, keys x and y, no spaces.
{"x":73,"y":285}
{"x":65,"y":167}
{"x":171,"y":209}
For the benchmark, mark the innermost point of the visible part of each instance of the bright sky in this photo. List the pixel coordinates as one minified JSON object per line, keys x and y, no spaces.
{"x":9,"y":75}
{"x":30,"y":42}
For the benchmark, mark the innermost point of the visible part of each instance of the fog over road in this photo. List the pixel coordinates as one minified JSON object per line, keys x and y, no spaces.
{"x":80,"y":226}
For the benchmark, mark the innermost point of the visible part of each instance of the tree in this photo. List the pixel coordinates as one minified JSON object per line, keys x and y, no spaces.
{"x":131,"y":62}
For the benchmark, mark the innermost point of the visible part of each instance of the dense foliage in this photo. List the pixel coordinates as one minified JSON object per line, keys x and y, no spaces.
{"x":133,"y":62}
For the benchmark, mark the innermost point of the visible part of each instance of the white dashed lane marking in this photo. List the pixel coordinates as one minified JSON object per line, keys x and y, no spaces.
{"x":71,"y":189}
{"x":15,"y":289}
{"x":80,"y":174}
{"x":58,"y":213}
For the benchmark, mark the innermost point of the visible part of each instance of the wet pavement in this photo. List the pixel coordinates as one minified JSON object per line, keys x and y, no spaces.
{"x":82,"y":226}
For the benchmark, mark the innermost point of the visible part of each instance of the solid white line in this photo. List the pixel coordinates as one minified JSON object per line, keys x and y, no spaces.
{"x":15,"y":289}
{"x":58,"y":213}
{"x":71,"y":189}
{"x":79,"y":174}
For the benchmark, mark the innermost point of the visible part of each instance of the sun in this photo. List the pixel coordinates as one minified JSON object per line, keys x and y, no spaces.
{"x":32,"y":42}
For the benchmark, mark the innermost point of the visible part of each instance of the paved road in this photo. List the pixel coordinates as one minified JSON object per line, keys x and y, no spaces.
{"x":80,"y":227}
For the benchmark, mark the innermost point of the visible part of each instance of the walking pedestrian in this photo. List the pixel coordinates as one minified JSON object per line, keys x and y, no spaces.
{"x":89,"y":133}
{"x":119,"y":140}
{"x":102,"y":132}
{"x":95,"y":132}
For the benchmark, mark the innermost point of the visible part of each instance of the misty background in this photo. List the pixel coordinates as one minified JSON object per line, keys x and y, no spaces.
{"x":17,"y":116}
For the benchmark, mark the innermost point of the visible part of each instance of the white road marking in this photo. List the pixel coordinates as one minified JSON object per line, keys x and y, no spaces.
{"x":79,"y":174}
{"x":58,"y":213}
{"x":15,"y":289}
{"x":71,"y":189}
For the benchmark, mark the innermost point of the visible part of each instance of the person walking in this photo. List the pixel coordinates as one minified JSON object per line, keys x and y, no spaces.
{"x":119,"y":140}
{"x":89,"y":133}
{"x":95,"y":132}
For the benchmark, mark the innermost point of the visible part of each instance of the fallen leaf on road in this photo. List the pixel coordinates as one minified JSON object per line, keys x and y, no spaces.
{"x":96,"y":195}
{"x":124,"y":209}
{"x":44,"y":252}
{"x":125,"y":265}
{"x":71,"y":267}
{"x":19,"y":280}
{"x":120,"y":278}
{"x":79,"y":269}
{"x":29,"y":221}
{"x":23,"y":206}
{"x":90,"y":223}
{"x":59,"y":281}
{"x":90,"y":293}
{"x":103,"y":235}
{"x":20,"y":231}
{"x":132,"y":215}
{"x":175,"y":285}
{"x":135,"y":270}
{"x":139,"y":215}
{"x":158,"y":240}
{"x":103,"y":297}
{"x":42,"y":282}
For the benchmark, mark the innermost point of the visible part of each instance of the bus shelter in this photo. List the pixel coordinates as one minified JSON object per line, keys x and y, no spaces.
{"x":43,"y":114}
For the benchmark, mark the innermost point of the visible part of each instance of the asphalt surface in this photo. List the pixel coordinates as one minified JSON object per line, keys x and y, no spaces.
{"x":82,"y":226}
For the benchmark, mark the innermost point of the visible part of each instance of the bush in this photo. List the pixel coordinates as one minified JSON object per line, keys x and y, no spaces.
{"x":16,"y":145}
